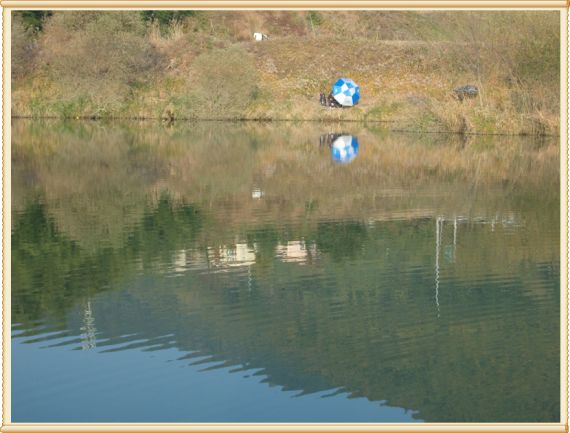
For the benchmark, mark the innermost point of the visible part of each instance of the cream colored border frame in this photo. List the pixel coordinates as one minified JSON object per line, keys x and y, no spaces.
{"x":8,"y":5}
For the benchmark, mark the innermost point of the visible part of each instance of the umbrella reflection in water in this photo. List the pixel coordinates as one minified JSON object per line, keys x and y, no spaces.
{"x":344,"y":147}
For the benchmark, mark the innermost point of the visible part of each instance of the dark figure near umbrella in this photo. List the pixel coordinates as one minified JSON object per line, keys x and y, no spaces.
{"x":468,"y":91}
{"x":328,"y":101}
{"x":328,"y":139}
{"x":333,"y":102}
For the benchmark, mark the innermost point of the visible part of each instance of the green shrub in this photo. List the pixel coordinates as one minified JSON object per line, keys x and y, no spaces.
{"x":33,"y":20}
{"x":314,"y":18}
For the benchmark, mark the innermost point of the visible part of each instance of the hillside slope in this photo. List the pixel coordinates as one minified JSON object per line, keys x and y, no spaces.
{"x":205,"y":65}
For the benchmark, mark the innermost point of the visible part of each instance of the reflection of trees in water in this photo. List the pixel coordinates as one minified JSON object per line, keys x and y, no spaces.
{"x":170,"y":233}
{"x":342,"y":239}
{"x":360,"y":316}
{"x":119,"y":167}
{"x":50,"y":272}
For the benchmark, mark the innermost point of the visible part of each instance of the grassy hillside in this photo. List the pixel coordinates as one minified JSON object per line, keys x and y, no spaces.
{"x":205,"y":65}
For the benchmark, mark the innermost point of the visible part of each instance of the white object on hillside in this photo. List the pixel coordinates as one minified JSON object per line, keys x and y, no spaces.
{"x":260,"y":36}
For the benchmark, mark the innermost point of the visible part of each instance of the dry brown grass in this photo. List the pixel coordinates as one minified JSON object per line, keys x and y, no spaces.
{"x":96,"y":58}
{"x":407,"y":65}
{"x":24,"y":49}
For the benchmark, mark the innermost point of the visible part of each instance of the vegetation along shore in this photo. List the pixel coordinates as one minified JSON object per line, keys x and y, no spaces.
{"x":206,"y":65}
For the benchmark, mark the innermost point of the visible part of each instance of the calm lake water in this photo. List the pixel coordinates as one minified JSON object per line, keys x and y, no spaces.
{"x":237,"y":272}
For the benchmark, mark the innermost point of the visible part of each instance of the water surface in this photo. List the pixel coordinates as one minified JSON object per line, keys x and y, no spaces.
{"x":237,"y":272}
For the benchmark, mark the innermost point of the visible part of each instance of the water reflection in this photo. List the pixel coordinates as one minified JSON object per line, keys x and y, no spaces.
{"x":89,"y":340}
{"x":344,"y":147}
{"x":432,"y":293}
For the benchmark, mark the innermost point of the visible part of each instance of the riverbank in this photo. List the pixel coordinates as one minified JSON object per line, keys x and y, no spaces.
{"x":207,"y":67}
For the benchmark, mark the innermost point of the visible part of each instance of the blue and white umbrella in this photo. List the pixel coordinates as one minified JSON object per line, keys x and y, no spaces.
{"x":344,"y":149}
{"x":346,"y":92}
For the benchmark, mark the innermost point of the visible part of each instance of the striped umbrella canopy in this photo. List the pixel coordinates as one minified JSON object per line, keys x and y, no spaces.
{"x":346,"y":92}
{"x":344,"y":149}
